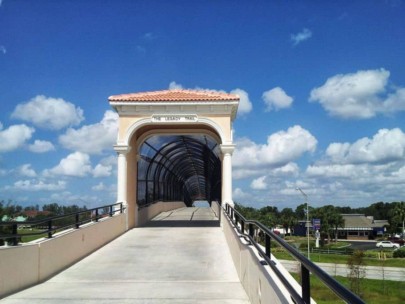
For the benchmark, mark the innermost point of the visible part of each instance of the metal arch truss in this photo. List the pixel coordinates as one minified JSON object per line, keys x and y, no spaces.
{"x":179,"y":168}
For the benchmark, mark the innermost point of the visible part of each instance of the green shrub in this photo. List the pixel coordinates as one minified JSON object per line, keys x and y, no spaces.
{"x":399,"y":253}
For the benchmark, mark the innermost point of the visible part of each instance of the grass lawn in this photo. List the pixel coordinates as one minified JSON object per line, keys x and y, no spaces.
{"x":29,"y":238}
{"x":373,"y":291}
{"x":341,"y":259}
{"x":371,"y":259}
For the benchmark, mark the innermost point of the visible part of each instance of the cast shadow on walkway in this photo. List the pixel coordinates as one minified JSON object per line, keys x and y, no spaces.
{"x":185,"y":217}
{"x":183,"y":223}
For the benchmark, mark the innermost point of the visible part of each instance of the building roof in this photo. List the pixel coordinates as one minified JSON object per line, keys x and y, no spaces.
{"x":361,"y":222}
{"x":357,"y":221}
{"x":174,"y":96}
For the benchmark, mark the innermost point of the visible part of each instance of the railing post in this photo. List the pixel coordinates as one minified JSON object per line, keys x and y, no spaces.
{"x":96,"y":215}
{"x":14,"y":239}
{"x":268,"y":247}
{"x":305,"y":283}
{"x":77,"y":220}
{"x":242,"y":226}
{"x":50,"y":229}
{"x":251,"y":231}
{"x":111,"y":210}
{"x":120,"y":207}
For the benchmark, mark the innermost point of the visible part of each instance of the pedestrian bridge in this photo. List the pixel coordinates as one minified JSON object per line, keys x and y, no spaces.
{"x":174,"y":148}
{"x":183,"y":255}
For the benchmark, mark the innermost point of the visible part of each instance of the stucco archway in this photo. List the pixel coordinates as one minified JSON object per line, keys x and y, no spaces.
{"x":187,"y":114}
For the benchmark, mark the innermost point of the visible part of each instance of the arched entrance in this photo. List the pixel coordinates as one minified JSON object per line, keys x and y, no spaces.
{"x":179,"y":168}
{"x":173,"y":146}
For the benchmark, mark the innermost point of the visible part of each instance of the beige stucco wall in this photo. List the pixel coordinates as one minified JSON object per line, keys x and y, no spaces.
{"x":126,"y":124}
{"x":30,"y":264}
{"x":132,"y":184}
{"x":129,"y":135}
{"x":261,"y":283}
{"x":18,"y":268}
{"x":147,"y":213}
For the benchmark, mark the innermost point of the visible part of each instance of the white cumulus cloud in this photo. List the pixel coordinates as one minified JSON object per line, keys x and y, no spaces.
{"x":49,"y":113}
{"x":175,"y":86}
{"x":41,"y":146}
{"x":245,"y":105}
{"x":14,"y":137}
{"x":92,"y":139}
{"x":75,"y":164}
{"x":26,"y":170}
{"x":102,"y":171}
{"x":359,"y":95}
{"x":239,"y":194}
{"x":32,"y":185}
{"x":99,"y":187}
{"x":385,"y":146}
{"x":305,"y":34}
{"x":281,"y":148}
{"x":259,"y":183}
{"x":290,"y":169}
{"x":276,"y":99}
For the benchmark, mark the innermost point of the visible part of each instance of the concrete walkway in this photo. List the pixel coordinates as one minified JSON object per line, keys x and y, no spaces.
{"x":153,"y":264}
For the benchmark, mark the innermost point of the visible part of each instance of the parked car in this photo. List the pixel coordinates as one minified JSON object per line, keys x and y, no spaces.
{"x":397,"y":240}
{"x":387,"y":244}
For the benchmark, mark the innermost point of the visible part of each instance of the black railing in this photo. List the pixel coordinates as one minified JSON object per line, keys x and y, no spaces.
{"x":247,"y":229}
{"x":48,"y":226}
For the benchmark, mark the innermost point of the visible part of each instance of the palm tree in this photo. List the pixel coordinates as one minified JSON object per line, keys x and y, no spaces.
{"x":399,"y":211}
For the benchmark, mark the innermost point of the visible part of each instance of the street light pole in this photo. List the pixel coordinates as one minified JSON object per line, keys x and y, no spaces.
{"x":307,"y":223}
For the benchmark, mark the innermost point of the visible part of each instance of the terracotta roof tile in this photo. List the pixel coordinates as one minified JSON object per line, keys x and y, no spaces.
{"x":174,"y":96}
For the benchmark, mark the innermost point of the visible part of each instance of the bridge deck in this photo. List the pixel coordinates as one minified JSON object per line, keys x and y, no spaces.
{"x":176,"y":263}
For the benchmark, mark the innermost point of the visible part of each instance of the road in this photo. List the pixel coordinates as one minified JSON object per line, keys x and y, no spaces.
{"x":371,"y":272}
{"x":362,"y":245}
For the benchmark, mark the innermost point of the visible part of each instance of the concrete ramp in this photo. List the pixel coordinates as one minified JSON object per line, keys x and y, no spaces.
{"x":154,"y":264}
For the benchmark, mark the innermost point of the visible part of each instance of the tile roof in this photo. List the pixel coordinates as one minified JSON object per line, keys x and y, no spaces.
{"x":174,"y":96}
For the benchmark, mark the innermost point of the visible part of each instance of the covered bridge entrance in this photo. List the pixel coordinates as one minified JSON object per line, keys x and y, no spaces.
{"x":174,"y":148}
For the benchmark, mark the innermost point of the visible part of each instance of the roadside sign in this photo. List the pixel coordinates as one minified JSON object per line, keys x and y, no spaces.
{"x":316,"y":224}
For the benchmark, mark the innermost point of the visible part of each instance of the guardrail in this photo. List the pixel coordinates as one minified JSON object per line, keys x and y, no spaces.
{"x":344,"y":251}
{"x":247,"y":229}
{"x":49,"y":226}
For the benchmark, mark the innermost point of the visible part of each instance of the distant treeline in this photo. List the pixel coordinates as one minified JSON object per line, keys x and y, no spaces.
{"x":12,"y":210}
{"x":330,"y":215}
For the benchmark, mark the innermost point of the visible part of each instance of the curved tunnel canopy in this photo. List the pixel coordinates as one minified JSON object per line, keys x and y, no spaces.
{"x":179,"y":168}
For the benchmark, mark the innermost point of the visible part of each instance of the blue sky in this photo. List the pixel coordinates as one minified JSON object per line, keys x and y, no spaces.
{"x":322,"y":89}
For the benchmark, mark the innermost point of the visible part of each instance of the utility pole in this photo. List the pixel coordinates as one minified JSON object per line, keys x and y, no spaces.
{"x":307,"y":223}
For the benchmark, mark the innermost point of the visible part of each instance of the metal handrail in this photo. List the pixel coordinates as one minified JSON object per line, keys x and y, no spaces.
{"x":14,"y":236}
{"x":307,"y":266}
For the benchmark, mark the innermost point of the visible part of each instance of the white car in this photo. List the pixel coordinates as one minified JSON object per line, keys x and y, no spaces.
{"x":387,"y":244}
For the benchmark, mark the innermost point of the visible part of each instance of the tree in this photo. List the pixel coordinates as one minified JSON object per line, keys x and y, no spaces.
{"x":54,"y":208}
{"x":337,"y":222}
{"x":301,"y":211}
{"x":399,"y":212}
{"x":287,"y":218}
{"x":357,"y":271}
{"x":330,"y":218}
